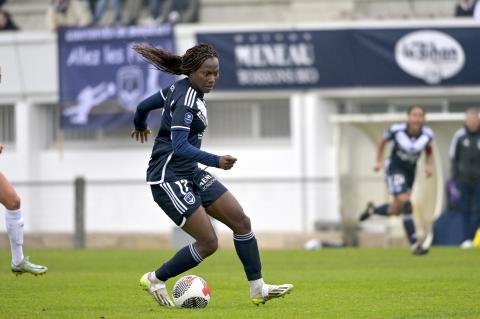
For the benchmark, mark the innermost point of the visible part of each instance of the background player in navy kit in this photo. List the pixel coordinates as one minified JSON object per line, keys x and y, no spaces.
{"x":409,"y":140}
{"x":186,"y":193}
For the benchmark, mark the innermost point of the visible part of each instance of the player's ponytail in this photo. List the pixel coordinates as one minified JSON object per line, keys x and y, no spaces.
{"x":161,"y":59}
{"x":175,"y":64}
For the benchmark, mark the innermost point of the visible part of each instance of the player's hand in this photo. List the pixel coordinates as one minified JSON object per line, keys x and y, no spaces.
{"x":226,"y":162}
{"x":377,"y":166}
{"x":1,"y":148}
{"x":429,"y":170}
{"x":141,"y":136}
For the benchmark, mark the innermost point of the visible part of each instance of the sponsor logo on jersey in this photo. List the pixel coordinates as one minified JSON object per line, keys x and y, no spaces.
{"x":407,"y":157}
{"x":429,"y":55}
{"x":206,"y":181}
{"x":188,"y":118}
{"x":189,"y":198}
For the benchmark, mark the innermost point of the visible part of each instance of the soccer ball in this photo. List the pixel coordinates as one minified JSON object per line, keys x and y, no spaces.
{"x":191,"y":292}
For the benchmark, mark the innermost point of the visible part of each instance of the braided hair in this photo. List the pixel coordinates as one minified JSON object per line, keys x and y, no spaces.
{"x":175,"y":64}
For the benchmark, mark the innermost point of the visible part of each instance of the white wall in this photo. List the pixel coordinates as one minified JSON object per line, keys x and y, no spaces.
{"x":276,"y":200}
{"x":282,"y":186}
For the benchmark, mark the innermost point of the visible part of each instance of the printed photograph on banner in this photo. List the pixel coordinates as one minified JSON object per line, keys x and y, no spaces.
{"x":102,"y":79}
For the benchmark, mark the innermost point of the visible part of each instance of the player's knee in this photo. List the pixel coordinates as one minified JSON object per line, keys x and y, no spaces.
{"x":407,"y":208}
{"x":13,"y":202}
{"x":209,"y":246}
{"x":243,"y":225}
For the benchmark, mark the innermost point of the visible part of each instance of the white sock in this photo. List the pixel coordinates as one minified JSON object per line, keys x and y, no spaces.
{"x":155,"y":282}
{"x":14,"y":223}
{"x":256,"y":287}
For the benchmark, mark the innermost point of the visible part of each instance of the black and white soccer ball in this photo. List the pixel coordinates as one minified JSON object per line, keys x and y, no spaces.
{"x":191,"y":292}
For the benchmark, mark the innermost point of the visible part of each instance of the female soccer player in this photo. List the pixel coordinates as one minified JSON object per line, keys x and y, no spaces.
{"x":409,"y":140}
{"x":14,"y":223}
{"x":186,"y":193}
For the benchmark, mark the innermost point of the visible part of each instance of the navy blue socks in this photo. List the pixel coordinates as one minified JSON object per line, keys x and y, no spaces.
{"x":408,"y":222}
{"x":185,"y":259}
{"x":247,"y":250}
{"x":381,"y":210}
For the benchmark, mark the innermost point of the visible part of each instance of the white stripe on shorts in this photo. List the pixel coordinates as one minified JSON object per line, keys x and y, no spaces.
{"x":176,"y":197}
{"x":173,"y":199}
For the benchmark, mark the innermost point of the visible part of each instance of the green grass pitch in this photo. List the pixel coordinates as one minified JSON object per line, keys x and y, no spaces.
{"x":336,"y":283}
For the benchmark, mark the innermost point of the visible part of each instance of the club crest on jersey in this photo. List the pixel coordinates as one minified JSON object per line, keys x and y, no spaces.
{"x":189,"y":198}
{"x":188,"y":118}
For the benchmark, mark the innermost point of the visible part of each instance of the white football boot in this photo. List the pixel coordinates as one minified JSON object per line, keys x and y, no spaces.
{"x":270,"y":292}
{"x":157,"y":289}
{"x":27,"y":267}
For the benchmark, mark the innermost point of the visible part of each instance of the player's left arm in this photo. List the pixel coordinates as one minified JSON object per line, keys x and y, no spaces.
{"x":1,"y":148}
{"x":428,"y":133}
{"x":429,"y":160}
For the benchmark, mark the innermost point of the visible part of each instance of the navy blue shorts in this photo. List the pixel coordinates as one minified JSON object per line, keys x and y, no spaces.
{"x":179,"y":199}
{"x":399,"y":182}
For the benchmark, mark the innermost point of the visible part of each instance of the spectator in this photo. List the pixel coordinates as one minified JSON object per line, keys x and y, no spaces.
{"x":64,"y":13}
{"x":133,"y":10}
{"x":6,"y":22}
{"x":465,"y":156}
{"x":180,"y":11}
{"x":154,"y":7}
{"x":464,"y":8}
{"x":91,"y":7}
{"x":100,"y":10}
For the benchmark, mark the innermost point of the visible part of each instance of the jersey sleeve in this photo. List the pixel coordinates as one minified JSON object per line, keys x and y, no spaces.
{"x":388,"y":134}
{"x":153,"y":102}
{"x":183,"y":148}
{"x":429,"y":133}
{"x":183,"y":110}
{"x":182,"y":117}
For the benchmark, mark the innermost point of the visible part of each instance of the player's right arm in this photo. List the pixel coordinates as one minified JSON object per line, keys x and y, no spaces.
{"x":377,"y":166}
{"x":387,"y":136}
{"x":153,"y":102}
{"x":1,"y":148}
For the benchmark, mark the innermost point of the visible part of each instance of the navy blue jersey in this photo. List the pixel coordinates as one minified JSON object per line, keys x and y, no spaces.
{"x":406,"y":148}
{"x":184,"y":114}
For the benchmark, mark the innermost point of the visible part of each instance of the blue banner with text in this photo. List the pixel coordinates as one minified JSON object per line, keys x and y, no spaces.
{"x":102,"y":79}
{"x":342,"y":58}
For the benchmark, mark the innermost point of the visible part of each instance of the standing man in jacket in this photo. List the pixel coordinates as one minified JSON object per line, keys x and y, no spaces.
{"x":465,"y":165}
